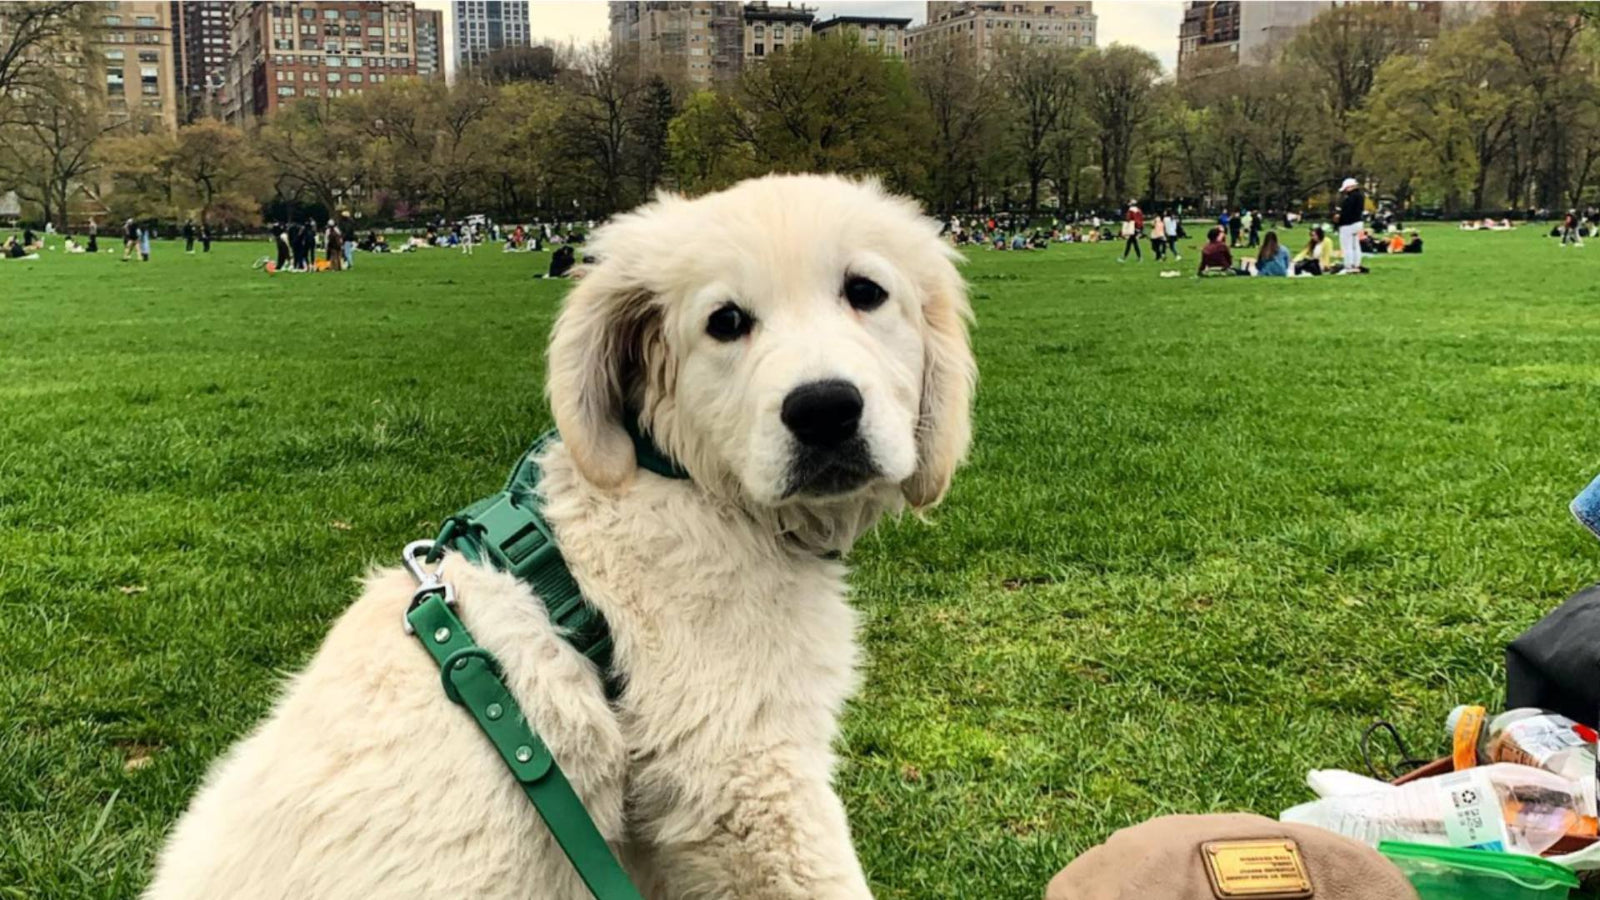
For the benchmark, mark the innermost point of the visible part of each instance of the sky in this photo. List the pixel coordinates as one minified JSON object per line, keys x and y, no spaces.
{"x":1151,"y":24}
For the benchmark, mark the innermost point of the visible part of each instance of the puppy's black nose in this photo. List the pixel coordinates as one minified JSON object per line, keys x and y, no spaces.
{"x":823,"y":413}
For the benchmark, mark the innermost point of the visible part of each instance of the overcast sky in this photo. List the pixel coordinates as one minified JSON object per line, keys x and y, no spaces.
{"x":1151,"y":24}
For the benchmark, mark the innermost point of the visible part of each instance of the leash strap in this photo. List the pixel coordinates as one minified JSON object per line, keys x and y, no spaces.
{"x":471,"y":678}
{"x":508,"y":531}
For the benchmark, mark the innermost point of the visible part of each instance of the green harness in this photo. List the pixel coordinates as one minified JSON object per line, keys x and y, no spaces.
{"x":508,"y":531}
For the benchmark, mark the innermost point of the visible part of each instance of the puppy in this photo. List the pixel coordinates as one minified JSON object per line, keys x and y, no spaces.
{"x":798,"y":344}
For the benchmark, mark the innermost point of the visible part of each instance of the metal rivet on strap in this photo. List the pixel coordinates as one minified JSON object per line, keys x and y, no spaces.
{"x":493,"y":711}
{"x":524,"y":753}
{"x":461,"y":664}
{"x":441,"y":635}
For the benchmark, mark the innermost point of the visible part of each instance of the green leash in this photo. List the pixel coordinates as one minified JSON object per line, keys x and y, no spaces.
{"x":508,"y":531}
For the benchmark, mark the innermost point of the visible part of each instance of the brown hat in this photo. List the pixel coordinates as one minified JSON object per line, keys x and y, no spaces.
{"x":1232,"y":855}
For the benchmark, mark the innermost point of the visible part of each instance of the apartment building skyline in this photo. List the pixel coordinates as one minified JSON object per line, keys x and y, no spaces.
{"x":983,"y":26}
{"x":484,"y":26}
{"x":285,"y":51}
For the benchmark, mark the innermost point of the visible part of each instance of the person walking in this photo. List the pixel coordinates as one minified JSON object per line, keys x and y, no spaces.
{"x":347,"y":229}
{"x":1169,"y":223}
{"x":1569,"y":230}
{"x":188,"y":236}
{"x":1158,"y":237}
{"x":144,"y":242}
{"x":1352,"y":205}
{"x":130,"y":239}
{"x":1132,"y":229}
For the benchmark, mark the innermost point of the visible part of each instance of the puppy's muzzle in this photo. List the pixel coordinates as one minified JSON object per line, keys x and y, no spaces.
{"x":825,"y":419}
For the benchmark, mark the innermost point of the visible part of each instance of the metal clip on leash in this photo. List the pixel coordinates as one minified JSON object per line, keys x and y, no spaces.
{"x":416,"y":556}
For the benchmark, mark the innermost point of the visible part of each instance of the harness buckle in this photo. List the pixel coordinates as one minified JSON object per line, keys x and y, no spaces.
{"x":429,"y":582}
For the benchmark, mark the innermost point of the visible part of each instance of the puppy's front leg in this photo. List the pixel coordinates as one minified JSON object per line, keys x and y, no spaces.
{"x":773,"y":828}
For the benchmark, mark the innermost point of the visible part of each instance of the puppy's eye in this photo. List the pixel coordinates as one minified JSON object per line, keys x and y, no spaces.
{"x":864,"y":293}
{"x":729,"y":323}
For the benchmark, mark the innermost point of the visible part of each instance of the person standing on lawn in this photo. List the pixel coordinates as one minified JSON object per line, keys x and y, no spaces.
{"x":188,"y":236}
{"x":1170,"y":223}
{"x":130,"y":239}
{"x":1158,"y":237}
{"x":1255,"y":228}
{"x":1352,"y":206}
{"x":94,"y":237}
{"x":205,"y":238}
{"x":1132,"y":229}
{"x":280,"y":237}
{"x":1235,"y":225}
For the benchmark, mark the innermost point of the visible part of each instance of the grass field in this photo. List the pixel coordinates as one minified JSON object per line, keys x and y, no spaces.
{"x":1209,"y":532}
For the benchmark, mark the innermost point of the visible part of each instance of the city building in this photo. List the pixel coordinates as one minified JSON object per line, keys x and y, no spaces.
{"x":986,"y":26}
{"x":285,"y":51}
{"x":696,"y":43}
{"x":1223,"y":34}
{"x":136,"y":55}
{"x":769,"y":29}
{"x":430,"y":43}
{"x":484,"y":26}
{"x":200,"y":53}
{"x":880,"y":33}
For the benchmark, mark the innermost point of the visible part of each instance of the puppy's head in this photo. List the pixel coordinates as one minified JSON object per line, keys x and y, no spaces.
{"x":798,"y":342}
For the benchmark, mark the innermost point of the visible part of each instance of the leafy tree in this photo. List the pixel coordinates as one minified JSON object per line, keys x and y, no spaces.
{"x":1342,"y":49}
{"x":705,"y":148}
{"x":603,"y":88}
{"x":958,"y":96}
{"x":833,"y":106}
{"x":649,"y":122}
{"x":38,"y":41}
{"x":1121,"y":90}
{"x":323,"y":150}
{"x":1044,"y":88}
{"x":48,"y":154}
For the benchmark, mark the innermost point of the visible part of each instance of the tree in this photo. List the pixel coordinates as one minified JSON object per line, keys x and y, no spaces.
{"x":603,"y":86}
{"x":649,"y":122}
{"x":320,"y":149}
{"x":833,"y":106}
{"x":38,"y":40}
{"x":1447,"y":117}
{"x":1042,"y":85}
{"x":1544,"y":42}
{"x":1279,"y":133}
{"x":48,"y":154}
{"x":1343,"y":48}
{"x":510,"y":65}
{"x":1121,"y":86}
{"x":957,"y":93}
{"x":704,"y":146}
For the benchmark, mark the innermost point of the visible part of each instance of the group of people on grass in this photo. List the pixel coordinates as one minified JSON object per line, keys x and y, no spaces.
{"x":297,"y":243}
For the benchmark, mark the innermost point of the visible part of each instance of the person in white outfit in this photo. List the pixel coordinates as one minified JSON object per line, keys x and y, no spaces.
{"x":1352,"y":204}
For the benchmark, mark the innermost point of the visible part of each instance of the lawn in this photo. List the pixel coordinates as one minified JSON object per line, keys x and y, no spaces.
{"x":1210,"y":530}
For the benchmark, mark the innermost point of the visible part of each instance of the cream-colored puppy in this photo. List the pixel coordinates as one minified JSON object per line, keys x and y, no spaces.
{"x":798,"y":344}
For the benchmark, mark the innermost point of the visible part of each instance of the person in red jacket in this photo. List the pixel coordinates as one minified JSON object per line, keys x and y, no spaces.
{"x":1133,"y":230}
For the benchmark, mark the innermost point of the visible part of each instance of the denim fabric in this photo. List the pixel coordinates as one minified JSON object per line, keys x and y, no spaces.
{"x":1586,"y":506}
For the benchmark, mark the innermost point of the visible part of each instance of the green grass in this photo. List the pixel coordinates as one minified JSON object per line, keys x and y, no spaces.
{"x":1209,"y":532}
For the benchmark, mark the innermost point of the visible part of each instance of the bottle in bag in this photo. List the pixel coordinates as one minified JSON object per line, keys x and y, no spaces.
{"x":1514,"y":808}
{"x":1538,"y":738}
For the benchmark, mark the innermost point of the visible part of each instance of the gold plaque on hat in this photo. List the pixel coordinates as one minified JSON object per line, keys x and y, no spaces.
{"x":1262,"y":870}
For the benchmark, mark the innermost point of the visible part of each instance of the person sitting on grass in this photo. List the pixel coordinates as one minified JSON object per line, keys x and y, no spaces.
{"x":1415,"y":244}
{"x":1317,"y":257}
{"x":1273,"y":259}
{"x":1215,"y":257}
{"x":562,"y":261}
{"x":13,"y":249}
{"x":71,"y":246}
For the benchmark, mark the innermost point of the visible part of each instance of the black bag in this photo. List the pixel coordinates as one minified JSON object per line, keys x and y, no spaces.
{"x":1555,"y":665}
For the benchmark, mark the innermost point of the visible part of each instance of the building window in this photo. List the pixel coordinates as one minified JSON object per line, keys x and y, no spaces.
{"x":761,"y":49}
{"x":335,"y":61}
{"x":335,"y":77}
{"x":375,"y":31}
{"x":286,"y":91}
{"x":145,"y":21}
{"x":114,"y":84}
{"x":113,"y":21}
{"x":355,"y":78}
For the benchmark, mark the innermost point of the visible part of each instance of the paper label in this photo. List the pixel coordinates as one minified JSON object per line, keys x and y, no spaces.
{"x":1265,"y":869}
{"x":1471,"y":811}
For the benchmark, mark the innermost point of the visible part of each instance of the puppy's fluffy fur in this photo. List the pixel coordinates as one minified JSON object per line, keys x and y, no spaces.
{"x":711,"y":775}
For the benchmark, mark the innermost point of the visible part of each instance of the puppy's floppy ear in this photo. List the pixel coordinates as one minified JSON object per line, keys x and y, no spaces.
{"x":944,"y":423}
{"x":597,"y":341}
